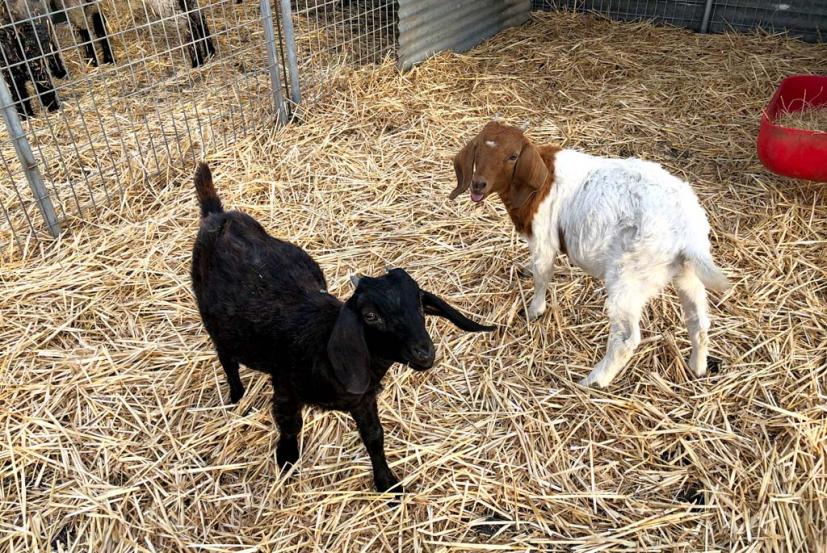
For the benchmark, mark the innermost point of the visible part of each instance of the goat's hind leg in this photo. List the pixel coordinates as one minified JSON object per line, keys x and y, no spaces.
{"x":206,"y":36}
{"x":200,"y":45}
{"x":230,"y":366}
{"x":692,"y":294}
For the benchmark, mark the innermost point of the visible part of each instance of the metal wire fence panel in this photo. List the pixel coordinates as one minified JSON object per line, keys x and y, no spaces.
{"x":684,"y":13}
{"x":333,"y":34}
{"x":804,"y":19}
{"x":113,"y":91}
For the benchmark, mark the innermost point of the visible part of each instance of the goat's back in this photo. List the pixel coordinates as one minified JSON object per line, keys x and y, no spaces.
{"x":32,"y":25}
{"x":257,"y":295}
{"x":616,"y":207}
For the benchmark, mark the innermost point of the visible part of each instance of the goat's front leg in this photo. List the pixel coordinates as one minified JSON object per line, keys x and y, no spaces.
{"x":88,"y":46}
{"x":19,"y":94}
{"x":99,"y":26}
{"x":287,"y":411}
{"x":370,"y":429}
{"x":543,"y":270}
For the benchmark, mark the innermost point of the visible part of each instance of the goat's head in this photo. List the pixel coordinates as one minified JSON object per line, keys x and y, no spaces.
{"x":385,"y":318}
{"x":499,"y":159}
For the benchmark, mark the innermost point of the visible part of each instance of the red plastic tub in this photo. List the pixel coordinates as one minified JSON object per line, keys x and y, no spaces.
{"x":791,"y":152}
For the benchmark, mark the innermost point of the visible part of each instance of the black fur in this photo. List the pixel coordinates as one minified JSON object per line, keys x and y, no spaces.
{"x":199,"y":42}
{"x":88,"y":46}
{"x":87,"y":19}
{"x":264,"y":304}
{"x":26,"y":49}
{"x":99,"y":26}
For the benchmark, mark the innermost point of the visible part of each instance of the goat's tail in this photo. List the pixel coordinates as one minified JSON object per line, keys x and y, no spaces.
{"x":709,"y":273}
{"x":204,"y":188}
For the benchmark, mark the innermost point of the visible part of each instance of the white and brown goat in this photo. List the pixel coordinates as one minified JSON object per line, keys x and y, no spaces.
{"x":626,"y":221}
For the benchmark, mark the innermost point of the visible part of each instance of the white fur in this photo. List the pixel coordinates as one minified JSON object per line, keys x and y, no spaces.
{"x":166,"y":9}
{"x":632,"y":224}
{"x":78,"y":12}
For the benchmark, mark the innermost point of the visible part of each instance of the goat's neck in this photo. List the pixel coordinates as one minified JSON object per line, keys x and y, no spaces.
{"x":523,"y":216}
{"x":380,"y":367}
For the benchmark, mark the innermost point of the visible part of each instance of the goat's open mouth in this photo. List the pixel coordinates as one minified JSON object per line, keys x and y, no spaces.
{"x":477,"y":196}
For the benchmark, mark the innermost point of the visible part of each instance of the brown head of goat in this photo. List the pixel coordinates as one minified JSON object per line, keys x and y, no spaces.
{"x":503,"y":160}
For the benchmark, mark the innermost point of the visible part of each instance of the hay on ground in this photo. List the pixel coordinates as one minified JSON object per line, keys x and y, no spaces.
{"x":116,"y":431}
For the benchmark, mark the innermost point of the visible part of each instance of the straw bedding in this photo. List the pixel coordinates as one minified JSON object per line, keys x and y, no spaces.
{"x":116,"y":435}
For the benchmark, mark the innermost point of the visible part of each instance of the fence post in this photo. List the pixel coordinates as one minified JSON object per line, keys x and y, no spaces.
{"x":290,"y":44}
{"x":707,"y":14}
{"x":24,"y":154}
{"x":272,"y":63}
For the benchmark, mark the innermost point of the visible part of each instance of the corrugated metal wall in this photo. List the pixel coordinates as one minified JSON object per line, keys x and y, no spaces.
{"x":805,"y":19}
{"x":430,"y":26}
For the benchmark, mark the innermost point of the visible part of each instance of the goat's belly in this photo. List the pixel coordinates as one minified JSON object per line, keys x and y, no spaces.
{"x":590,"y":259}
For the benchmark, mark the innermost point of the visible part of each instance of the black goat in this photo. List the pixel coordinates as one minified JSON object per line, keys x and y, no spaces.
{"x":264,"y":304}
{"x":27,"y":46}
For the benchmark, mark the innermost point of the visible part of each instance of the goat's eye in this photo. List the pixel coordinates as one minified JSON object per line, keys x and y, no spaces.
{"x":370,"y":317}
{"x":513,"y":157}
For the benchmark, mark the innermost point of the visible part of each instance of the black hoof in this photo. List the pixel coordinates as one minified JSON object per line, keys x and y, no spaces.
{"x":692,"y":494}
{"x":493,"y":524}
{"x":389,"y":485}
{"x":287,"y":453}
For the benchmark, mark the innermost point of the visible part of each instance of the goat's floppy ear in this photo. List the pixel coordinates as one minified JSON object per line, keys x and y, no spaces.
{"x":464,"y":168}
{"x":434,"y":305}
{"x":529,"y":175}
{"x":348,"y":352}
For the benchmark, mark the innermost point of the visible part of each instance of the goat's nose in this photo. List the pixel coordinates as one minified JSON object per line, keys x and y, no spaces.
{"x":478,"y":185}
{"x":423,"y":353}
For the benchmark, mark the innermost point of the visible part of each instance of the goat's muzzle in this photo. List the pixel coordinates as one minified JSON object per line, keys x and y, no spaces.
{"x":478,"y":190}
{"x":421,"y":356}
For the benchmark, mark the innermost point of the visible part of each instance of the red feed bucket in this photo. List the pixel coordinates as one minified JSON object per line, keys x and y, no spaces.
{"x":791,"y":152}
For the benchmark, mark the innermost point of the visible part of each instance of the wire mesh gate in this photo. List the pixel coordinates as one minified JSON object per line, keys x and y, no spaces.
{"x":179,"y":78}
{"x":152,"y":83}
